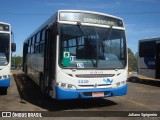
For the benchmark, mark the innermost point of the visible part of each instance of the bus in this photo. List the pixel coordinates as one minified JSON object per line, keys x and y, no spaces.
{"x":6,"y":48}
{"x":78,"y":54}
{"x":149,"y":58}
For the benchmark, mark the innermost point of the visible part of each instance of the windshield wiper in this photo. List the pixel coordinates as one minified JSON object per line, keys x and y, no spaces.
{"x":109,"y":32}
{"x":83,"y":30}
{"x":81,"y":27}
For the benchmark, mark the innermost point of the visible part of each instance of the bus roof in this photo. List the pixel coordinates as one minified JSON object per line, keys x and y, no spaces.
{"x":55,"y":16}
{"x":4,"y":23}
{"x":5,"y":27}
{"x":91,"y":12}
{"x":150,"y":39}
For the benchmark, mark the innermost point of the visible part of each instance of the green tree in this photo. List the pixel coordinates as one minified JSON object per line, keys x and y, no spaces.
{"x":132,"y":61}
{"x":16,"y":61}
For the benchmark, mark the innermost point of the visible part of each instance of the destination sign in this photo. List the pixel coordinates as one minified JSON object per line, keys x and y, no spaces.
{"x":4,"y":27}
{"x":90,"y":18}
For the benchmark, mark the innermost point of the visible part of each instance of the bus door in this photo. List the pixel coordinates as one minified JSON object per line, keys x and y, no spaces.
{"x":49,"y":58}
{"x":158,"y":60}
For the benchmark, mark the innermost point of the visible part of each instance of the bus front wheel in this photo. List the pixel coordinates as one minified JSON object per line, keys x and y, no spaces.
{"x":3,"y":90}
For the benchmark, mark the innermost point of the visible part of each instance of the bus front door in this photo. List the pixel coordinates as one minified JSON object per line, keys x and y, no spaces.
{"x":158,"y":61}
{"x":49,"y":58}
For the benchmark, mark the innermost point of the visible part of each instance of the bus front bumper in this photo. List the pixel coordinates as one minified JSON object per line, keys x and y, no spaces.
{"x":5,"y":82}
{"x":87,"y":93}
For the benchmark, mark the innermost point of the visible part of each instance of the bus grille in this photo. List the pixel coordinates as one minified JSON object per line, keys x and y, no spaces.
{"x":93,"y":75}
{"x":104,"y":85}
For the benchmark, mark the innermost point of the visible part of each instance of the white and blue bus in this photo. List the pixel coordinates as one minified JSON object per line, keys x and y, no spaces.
{"x":78,"y":54}
{"x":149,"y":58}
{"x":6,"y":48}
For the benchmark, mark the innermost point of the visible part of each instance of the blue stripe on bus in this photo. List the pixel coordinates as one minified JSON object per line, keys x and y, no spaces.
{"x":75,"y":94}
{"x":5,"y":82}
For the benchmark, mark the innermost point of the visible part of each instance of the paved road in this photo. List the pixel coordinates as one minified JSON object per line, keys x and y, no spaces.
{"x":142,"y":96}
{"x":12,"y":101}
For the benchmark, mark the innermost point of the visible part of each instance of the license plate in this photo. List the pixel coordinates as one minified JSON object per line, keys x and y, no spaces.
{"x":98,"y":94}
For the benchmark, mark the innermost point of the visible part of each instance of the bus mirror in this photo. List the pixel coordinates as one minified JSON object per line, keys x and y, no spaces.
{"x":13,"y":47}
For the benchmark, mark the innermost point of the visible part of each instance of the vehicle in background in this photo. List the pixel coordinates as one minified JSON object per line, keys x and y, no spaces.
{"x":6,"y":49}
{"x":149,"y":58}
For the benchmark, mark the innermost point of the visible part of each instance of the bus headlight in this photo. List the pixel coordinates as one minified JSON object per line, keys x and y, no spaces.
{"x":63,"y":85}
{"x":123,"y":83}
{"x":119,"y":84}
{"x":66,"y":86}
{"x":70,"y":86}
{"x":5,"y":76}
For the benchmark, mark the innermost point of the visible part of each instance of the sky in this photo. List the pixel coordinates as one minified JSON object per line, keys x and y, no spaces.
{"x":141,"y":17}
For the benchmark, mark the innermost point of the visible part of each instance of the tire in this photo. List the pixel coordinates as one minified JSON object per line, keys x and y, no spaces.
{"x":3,"y":91}
{"x":26,"y":70}
{"x":42,"y":85}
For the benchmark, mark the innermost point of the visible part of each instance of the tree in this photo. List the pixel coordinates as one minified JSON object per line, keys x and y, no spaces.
{"x":132,"y":61}
{"x":16,"y":61}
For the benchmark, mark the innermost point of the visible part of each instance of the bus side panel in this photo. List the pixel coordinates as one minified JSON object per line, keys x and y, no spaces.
{"x":146,"y":66}
{"x":147,"y":58}
{"x":34,"y":66}
{"x":158,"y":60}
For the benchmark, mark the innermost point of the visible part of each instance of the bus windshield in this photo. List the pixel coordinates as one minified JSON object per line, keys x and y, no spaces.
{"x":92,"y":47}
{"x":4,"y":48}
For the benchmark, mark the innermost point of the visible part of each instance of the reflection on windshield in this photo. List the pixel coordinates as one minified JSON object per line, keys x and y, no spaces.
{"x":3,"y":59}
{"x":92,"y":49}
{"x":4,"y":48}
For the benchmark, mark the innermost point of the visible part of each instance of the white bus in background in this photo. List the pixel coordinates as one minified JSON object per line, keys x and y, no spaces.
{"x":6,"y":48}
{"x":149,"y":58}
{"x":78,"y":54}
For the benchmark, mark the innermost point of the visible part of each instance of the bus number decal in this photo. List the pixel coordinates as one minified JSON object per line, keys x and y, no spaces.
{"x":83,"y":81}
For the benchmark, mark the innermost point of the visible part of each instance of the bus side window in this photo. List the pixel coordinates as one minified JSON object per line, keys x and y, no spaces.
{"x":36,"y":49}
{"x":38,"y":37}
{"x":37,"y":40}
{"x":42,"y":47}
{"x":43,"y":35}
{"x":42,"y":41}
{"x":32,"y":49}
{"x":29,"y":49}
{"x":29,"y":44}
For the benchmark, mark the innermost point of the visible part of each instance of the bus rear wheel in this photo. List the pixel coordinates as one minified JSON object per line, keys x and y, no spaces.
{"x":42,"y":85}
